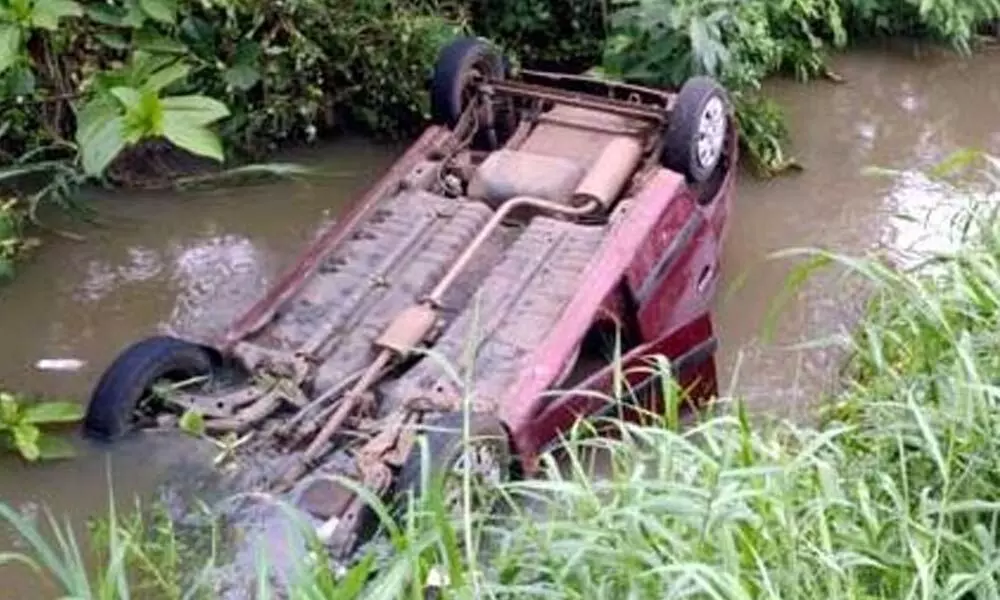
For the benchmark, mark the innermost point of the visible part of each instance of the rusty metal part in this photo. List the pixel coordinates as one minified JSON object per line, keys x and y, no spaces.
{"x":462,"y":261}
{"x":307,"y":429}
{"x":391,"y":444}
{"x":218,"y":407}
{"x":559,"y":118}
{"x":612,"y":170}
{"x":622,"y":108}
{"x":243,"y":420}
{"x":288,"y":427}
{"x":611,"y":87}
{"x":256,"y":358}
{"x":347,"y":405}
{"x":408,"y":329}
{"x":519,"y":135}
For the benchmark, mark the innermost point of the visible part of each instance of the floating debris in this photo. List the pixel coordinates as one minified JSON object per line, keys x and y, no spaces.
{"x":60,"y":364}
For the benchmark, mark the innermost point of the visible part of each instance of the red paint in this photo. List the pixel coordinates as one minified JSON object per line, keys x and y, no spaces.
{"x":672,"y":319}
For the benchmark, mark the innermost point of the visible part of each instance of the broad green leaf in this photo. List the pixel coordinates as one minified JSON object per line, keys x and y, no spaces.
{"x":134,"y":15}
{"x":195,"y":109}
{"x":92,"y":115}
{"x":192,"y":422}
{"x":241,"y":77}
{"x":144,"y":118}
{"x":164,"y":11}
{"x":115,"y":41}
{"x":10,"y":45}
{"x":164,"y":77}
{"x":129,"y":97}
{"x":106,"y":140}
{"x":196,"y":139}
{"x":9,"y":410}
{"x":45,"y":14}
{"x":52,"y":412}
{"x":105,"y":14}
{"x":26,"y":441}
{"x":244,"y":72}
{"x":19,"y":11}
{"x":52,"y":447}
{"x":153,"y":42}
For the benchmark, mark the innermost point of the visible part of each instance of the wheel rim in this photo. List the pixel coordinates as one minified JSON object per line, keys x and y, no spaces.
{"x":485,"y":469}
{"x":711,"y":132}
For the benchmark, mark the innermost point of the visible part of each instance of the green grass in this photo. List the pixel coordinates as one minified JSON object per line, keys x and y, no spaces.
{"x":896,"y":495}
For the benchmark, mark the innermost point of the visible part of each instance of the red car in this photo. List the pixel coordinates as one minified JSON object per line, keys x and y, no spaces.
{"x":541,"y":216}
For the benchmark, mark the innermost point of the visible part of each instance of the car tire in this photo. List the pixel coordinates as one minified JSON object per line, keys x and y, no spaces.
{"x":130,"y":377}
{"x":445,"y":448}
{"x":458,"y":62}
{"x":697,"y":129}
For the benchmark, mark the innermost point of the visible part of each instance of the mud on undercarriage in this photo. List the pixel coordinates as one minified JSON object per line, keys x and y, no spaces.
{"x":435,"y":289}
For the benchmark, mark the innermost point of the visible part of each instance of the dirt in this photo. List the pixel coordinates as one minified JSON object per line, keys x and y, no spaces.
{"x":188,"y":263}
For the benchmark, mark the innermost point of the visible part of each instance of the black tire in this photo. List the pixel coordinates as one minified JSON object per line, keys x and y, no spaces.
{"x":457,"y":62}
{"x":445,"y":446}
{"x":680,"y":148}
{"x":130,"y":377}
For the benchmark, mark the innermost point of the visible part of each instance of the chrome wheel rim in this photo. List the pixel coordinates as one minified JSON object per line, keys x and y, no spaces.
{"x":711,"y":132}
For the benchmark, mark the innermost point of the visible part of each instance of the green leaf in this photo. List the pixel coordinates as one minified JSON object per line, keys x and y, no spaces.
{"x":92,"y":115}
{"x":164,"y":77}
{"x":105,"y":14}
{"x":192,"y":422}
{"x":10,"y":410}
{"x":144,"y":118}
{"x":26,"y":441}
{"x":52,"y":447}
{"x":164,"y":11}
{"x":134,"y":15}
{"x":105,"y":140}
{"x":115,"y":41}
{"x":152,"y":41}
{"x":52,"y":412}
{"x":45,"y":14}
{"x":129,"y":97}
{"x":21,"y":80}
{"x":244,"y":73}
{"x":10,"y":45}
{"x":193,"y":138}
{"x":195,"y":109}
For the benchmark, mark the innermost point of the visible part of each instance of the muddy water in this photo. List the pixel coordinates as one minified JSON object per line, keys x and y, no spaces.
{"x":189,"y":262}
{"x":896,"y":110}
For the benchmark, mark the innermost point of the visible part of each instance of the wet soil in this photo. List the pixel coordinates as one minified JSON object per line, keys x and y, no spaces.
{"x":189,"y":262}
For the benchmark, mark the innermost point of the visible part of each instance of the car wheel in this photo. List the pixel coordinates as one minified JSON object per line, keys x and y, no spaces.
{"x":460,"y":66}
{"x":123,"y":391}
{"x":697,"y":129}
{"x":487,"y":456}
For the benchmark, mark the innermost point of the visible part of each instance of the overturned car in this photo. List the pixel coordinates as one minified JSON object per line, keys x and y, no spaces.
{"x":539,"y":214}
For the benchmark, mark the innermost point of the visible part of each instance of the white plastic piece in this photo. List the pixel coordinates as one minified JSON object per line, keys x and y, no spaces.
{"x":60,"y":364}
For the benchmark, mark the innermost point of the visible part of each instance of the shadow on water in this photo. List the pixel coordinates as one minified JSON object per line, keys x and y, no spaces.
{"x":190,"y":262}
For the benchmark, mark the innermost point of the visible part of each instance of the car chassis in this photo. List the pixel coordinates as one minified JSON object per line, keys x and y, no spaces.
{"x":568,"y":205}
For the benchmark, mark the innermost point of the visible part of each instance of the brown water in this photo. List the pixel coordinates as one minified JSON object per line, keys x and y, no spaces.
{"x":190,"y":262}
